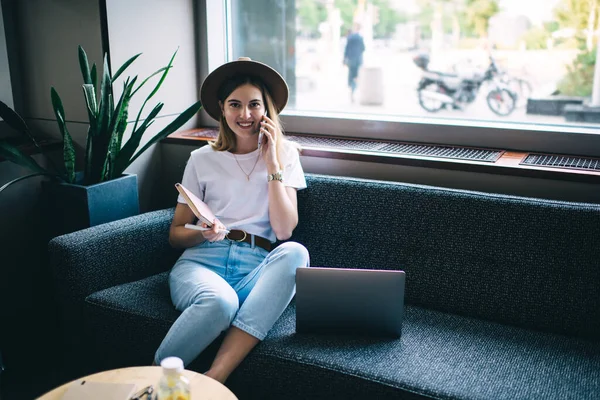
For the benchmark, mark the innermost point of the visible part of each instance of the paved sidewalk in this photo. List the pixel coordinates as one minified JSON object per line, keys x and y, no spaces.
{"x":326,"y":90}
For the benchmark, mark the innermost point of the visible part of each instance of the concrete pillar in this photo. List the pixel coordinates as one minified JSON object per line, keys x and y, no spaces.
{"x":370,"y":84}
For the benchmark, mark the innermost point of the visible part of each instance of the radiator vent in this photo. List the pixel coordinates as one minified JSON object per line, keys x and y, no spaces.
{"x":558,"y":161}
{"x":421,"y":150}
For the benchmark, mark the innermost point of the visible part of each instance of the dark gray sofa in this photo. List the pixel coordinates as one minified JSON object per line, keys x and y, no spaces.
{"x":502,"y":296}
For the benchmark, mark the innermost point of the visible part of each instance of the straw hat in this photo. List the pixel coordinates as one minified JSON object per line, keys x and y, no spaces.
{"x":209,"y":93}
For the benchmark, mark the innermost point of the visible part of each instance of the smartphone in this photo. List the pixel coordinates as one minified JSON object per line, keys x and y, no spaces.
{"x":260,"y":135}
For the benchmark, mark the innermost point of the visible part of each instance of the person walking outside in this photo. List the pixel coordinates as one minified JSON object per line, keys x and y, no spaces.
{"x":353,"y":57}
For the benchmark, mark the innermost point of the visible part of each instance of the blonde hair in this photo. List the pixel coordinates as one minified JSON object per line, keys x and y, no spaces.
{"x":226,"y":140}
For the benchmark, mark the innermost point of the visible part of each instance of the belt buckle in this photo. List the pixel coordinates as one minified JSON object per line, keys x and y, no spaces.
{"x":241,"y":240}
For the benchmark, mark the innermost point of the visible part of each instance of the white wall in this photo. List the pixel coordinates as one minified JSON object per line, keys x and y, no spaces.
{"x":49,"y":32}
{"x":155,"y":28}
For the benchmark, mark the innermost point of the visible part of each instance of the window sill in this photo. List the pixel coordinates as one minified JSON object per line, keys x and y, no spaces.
{"x":508,"y":164}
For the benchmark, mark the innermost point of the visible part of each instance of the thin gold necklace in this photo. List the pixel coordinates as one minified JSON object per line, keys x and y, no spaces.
{"x":252,"y":170}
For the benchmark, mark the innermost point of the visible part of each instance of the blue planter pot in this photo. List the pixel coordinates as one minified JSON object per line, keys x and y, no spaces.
{"x":72,"y":207}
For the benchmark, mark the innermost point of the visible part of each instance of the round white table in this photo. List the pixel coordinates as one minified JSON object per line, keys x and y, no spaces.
{"x":202,"y":387}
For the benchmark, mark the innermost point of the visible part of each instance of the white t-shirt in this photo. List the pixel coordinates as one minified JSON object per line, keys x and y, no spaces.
{"x":217,"y":179}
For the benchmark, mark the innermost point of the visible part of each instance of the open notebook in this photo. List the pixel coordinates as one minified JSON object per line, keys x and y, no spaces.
{"x":198,"y":207}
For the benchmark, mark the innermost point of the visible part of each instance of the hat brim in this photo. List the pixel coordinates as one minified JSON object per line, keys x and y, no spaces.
{"x":274,"y":82}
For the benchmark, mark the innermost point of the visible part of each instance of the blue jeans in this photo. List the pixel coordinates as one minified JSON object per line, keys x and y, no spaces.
{"x":225,"y":283}
{"x":353,"y":68}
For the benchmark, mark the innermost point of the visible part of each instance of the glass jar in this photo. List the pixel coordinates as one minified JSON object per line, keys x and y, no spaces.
{"x":173,"y":385}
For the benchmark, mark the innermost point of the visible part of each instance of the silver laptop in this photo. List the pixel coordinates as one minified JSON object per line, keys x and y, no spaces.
{"x":349,"y":301}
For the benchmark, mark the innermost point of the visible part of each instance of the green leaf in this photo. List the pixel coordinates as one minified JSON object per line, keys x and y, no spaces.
{"x":106,"y":170}
{"x":122,"y":106}
{"x":121,"y":127}
{"x":117,"y":127}
{"x":105,"y":109}
{"x":84,"y":65}
{"x":27,"y":177}
{"x":89,"y":93}
{"x":122,"y":118}
{"x":162,"y":78}
{"x":132,"y":144}
{"x":172,"y":127}
{"x":125,"y":66}
{"x":68,"y":148}
{"x":13,"y":154}
{"x":164,"y":75}
{"x":94,"y":76}
{"x":87,"y":173}
{"x":148,"y":78}
{"x":90,"y":100}
{"x":15,"y":121}
{"x":101,"y":136}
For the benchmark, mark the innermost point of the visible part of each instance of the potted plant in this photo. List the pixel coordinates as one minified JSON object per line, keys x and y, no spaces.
{"x":101,"y":192}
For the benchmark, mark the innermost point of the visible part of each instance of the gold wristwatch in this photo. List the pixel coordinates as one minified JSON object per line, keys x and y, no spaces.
{"x":277,"y":176}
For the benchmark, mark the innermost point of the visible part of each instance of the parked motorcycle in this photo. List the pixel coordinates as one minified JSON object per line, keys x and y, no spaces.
{"x":437,"y":90}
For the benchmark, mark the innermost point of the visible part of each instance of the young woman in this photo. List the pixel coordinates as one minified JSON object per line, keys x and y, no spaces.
{"x":228,"y":278}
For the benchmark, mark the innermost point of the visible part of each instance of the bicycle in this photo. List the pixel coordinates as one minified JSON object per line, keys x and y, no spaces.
{"x":519,"y":86}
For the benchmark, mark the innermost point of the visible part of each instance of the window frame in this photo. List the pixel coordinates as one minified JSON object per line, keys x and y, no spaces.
{"x":582,"y":140}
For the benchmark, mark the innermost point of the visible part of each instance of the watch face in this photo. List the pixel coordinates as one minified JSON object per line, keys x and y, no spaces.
{"x":278,"y":176}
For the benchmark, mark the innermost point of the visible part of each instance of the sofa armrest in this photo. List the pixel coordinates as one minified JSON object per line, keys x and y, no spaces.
{"x":106,"y":255}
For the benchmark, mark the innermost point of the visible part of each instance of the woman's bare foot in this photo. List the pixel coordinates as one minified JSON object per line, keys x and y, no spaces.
{"x":235,"y":347}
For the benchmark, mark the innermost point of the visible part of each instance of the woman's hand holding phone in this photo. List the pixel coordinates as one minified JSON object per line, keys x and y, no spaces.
{"x":261,"y":136}
{"x":269,"y":143}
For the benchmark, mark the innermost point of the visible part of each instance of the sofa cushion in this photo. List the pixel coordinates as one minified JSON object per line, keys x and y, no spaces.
{"x":128,"y":322}
{"x":439,"y":355}
{"x":527,"y":262}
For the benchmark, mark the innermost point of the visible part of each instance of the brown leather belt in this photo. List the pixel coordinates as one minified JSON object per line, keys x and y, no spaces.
{"x":242,"y":236}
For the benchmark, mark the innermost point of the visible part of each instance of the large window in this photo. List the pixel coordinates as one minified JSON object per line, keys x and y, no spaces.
{"x":496,"y":73}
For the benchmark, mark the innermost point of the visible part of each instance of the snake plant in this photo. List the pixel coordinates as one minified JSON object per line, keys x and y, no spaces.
{"x":105,"y":156}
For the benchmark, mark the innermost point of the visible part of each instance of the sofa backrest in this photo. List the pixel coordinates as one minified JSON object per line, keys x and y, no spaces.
{"x":521,"y":261}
